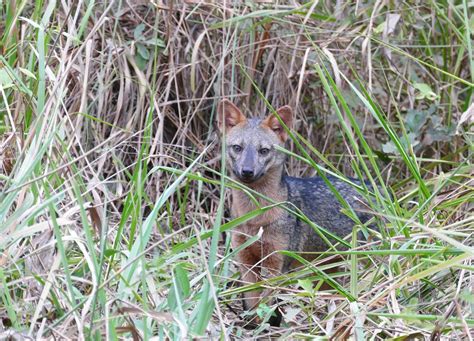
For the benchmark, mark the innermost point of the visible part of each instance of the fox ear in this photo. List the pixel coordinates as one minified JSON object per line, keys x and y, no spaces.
{"x":228,"y":115}
{"x":286,"y":115}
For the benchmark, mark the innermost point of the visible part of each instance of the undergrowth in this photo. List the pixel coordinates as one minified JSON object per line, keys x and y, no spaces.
{"x":114,"y":213}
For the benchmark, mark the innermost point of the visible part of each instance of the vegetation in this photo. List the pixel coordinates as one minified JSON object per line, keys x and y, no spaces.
{"x":112,"y":194}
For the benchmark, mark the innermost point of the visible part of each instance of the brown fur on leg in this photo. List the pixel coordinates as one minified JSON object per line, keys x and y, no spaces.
{"x":250,"y":271}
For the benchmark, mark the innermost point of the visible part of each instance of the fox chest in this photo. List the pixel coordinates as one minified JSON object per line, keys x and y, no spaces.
{"x":273,"y":238}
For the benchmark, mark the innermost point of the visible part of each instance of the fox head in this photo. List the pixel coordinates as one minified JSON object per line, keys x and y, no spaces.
{"x":250,"y":142}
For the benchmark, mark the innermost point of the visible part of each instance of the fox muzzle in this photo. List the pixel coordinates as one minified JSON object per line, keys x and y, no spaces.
{"x":247,"y":171}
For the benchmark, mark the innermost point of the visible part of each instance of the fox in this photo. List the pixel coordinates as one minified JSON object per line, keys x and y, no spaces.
{"x":253,"y":159}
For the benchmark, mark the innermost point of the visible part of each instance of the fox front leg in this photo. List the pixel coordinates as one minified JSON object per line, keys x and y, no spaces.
{"x":250,"y":271}
{"x":250,"y":275}
{"x":274,"y":266}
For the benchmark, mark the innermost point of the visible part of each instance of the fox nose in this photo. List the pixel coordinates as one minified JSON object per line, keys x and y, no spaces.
{"x":247,"y":173}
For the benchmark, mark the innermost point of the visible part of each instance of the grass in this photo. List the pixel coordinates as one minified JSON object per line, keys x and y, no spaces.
{"x":113,"y":197}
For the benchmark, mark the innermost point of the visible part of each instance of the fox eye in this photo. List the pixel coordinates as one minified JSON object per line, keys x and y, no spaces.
{"x":264,"y":151}
{"x":237,"y":148}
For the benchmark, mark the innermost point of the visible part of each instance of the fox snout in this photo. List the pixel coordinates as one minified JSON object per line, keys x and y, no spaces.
{"x":246,"y":165}
{"x":247,"y":175}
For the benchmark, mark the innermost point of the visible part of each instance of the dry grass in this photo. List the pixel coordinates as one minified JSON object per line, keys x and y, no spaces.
{"x":110,"y":170}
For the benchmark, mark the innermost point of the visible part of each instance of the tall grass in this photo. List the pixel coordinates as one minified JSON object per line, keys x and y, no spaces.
{"x":114,"y":213}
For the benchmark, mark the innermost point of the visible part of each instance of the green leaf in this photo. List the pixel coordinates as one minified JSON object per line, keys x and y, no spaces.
{"x":379,"y":29}
{"x":425,"y":92}
{"x":110,"y":252}
{"x":182,"y":278}
{"x":27,"y":72}
{"x":143,"y":51}
{"x":141,"y":62}
{"x":306,"y":284}
{"x":415,"y":120}
{"x":390,"y":148}
{"x":155,"y":42}
{"x":5,"y":79}
{"x":438,"y":134}
{"x":138,"y":32}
